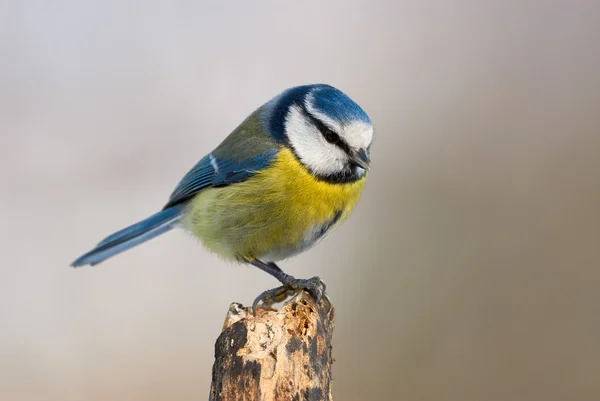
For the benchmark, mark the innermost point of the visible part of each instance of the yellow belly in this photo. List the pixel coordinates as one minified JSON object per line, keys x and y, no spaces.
{"x":271,"y":215}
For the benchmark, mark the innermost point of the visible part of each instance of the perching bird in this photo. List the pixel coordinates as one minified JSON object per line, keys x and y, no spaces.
{"x":277,"y":185}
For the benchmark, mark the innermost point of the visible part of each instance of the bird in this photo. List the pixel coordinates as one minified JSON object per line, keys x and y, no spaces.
{"x":277,"y":185}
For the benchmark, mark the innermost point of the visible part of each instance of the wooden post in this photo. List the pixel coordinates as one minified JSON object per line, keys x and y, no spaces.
{"x":280,"y":355}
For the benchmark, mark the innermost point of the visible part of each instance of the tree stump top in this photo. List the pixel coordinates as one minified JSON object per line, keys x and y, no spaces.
{"x":282,"y":355}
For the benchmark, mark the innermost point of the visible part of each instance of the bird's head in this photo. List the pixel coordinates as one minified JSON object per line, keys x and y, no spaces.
{"x":327,"y":131}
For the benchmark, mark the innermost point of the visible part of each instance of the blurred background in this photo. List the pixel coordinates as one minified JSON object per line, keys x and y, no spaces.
{"x":469,"y":270}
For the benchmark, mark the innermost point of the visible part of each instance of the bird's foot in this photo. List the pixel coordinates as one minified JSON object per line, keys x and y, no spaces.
{"x":314,"y":286}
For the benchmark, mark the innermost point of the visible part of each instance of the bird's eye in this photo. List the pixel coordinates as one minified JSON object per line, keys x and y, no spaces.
{"x":331,"y":136}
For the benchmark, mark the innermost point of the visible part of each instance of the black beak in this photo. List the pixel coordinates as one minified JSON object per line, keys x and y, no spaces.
{"x":361,"y":159}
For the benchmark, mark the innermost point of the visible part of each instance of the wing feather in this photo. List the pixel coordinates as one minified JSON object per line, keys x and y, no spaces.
{"x":213,"y":171}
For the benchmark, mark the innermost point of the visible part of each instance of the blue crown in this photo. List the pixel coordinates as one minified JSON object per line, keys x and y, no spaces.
{"x":337,"y":105}
{"x":330,"y":101}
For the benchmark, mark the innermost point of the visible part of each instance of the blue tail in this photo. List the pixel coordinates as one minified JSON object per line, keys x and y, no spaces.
{"x":131,"y":236}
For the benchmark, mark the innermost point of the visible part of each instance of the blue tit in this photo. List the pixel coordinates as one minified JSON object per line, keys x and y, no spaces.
{"x":282,"y":181}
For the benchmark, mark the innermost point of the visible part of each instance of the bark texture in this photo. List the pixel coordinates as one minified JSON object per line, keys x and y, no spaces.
{"x":282,"y":355}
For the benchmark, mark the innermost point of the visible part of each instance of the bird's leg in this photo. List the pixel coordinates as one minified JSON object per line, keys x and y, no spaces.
{"x":291,"y":285}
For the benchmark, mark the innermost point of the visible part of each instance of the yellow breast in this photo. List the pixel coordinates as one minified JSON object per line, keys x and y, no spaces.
{"x":272,"y":214}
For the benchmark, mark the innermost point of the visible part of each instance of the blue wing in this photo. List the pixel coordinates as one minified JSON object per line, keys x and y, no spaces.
{"x":213,"y":171}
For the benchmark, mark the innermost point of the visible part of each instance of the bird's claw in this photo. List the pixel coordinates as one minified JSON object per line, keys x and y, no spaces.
{"x":314,"y":286}
{"x":269,"y":297}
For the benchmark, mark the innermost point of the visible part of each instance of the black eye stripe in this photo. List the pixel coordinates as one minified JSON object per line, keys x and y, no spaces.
{"x":332,"y":137}
{"x":325,"y":131}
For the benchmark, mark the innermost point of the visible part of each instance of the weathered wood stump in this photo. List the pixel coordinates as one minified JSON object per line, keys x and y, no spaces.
{"x":280,"y":355}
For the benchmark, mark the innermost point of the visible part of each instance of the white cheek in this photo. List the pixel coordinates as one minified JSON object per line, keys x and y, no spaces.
{"x":312,"y":149}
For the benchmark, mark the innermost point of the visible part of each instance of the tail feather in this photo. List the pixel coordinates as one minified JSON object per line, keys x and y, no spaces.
{"x":131,"y":236}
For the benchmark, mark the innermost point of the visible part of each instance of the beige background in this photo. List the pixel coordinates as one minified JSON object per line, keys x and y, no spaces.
{"x":470,"y":270}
